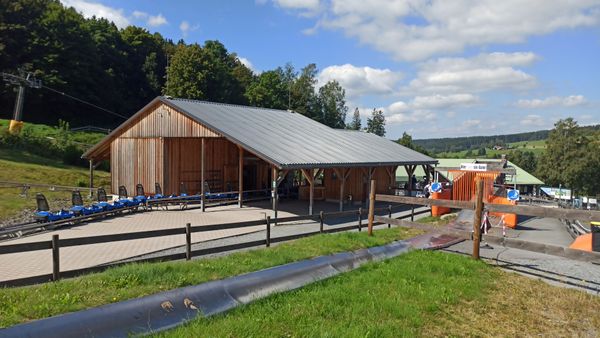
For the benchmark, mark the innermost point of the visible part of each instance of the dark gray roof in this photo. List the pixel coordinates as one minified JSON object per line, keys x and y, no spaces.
{"x":292,"y":141}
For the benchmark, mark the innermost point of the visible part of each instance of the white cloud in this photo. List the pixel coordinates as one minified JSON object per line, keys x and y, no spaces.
{"x":359,"y":81}
{"x":467,"y":124}
{"x":306,"y":8}
{"x":444,"y":101}
{"x":553,"y":101}
{"x":418,"y":29}
{"x":421,"y":116}
{"x":476,"y":74}
{"x":185,"y":28}
{"x":89,"y":9}
{"x":155,"y":21}
{"x":139,"y":14}
{"x":533,"y":120}
{"x":247,"y":63}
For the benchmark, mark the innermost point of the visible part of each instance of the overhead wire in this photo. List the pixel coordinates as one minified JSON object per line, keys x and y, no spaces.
{"x":84,"y":102}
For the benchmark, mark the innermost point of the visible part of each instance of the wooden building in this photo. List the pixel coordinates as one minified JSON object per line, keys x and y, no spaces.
{"x":177,"y":142}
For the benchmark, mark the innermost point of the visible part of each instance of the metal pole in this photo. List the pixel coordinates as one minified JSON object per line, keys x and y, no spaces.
{"x":477,"y":219}
{"x":19,"y":103}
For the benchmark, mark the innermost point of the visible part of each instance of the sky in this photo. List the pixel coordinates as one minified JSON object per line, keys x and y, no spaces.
{"x":437,"y":68}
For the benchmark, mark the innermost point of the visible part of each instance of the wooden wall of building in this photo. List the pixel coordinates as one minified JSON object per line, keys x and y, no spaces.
{"x":356,"y":184}
{"x":163,"y":121}
{"x":136,"y":160}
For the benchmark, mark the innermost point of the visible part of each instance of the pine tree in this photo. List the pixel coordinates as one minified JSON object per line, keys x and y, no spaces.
{"x":355,"y":124}
{"x":376,"y":123}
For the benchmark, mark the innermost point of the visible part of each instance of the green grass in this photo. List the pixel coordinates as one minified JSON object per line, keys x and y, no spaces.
{"x":20,"y":166}
{"x":394,"y":298}
{"x":42,"y":130}
{"x":18,"y":305}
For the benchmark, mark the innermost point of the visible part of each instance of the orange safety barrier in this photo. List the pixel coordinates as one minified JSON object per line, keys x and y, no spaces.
{"x":439,"y":211}
{"x":583,"y":242}
{"x":509,"y":219}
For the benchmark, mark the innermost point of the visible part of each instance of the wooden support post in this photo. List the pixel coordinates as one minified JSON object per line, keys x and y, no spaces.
{"x":310,"y":178}
{"x":369,"y":187}
{"x":360,"y":219}
{"x":371,"y":207}
{"x":343,"y":176}
{"x":202,"y":165}
{"x":274,"y":193}
{"x":188,"y":241}
{"x":410,"y":170}
{"x":268,"y":239}
{"x":321,"y":218}
{"x":389,"y":215}
{"x":412,"y":213}
{"x":55,"y":258}
{"x":91,"y":178}
{"x":477,"y":218}
{"x":240,"y":175}
{"x":311,"y":198}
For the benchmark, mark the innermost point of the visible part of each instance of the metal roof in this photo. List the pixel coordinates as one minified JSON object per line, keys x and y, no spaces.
{"x":292,"y":141}
{"x":522,"y":177}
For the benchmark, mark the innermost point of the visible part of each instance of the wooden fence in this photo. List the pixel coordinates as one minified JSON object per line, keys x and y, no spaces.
{"x":479,"y":206}
{"x":55,"y":244}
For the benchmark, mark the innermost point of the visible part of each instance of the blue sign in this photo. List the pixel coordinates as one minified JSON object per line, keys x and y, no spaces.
{"x":436,"y":187}
{"x":513,"y":195}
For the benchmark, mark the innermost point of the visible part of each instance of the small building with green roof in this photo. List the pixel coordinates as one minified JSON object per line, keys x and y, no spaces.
{"x":525,"y":182}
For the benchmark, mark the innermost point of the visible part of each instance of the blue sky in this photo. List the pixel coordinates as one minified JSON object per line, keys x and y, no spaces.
{"x":436,"y":68}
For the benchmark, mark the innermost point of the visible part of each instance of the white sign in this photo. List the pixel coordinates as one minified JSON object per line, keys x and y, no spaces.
{"x":473,"y":166}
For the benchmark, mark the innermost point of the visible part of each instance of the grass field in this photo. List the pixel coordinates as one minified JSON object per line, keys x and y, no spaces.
{"x":42,"y":130}
{"x":537,"y":147}
{"x":135,"y":280}
{"x":20,"y":166}
{"x":422,"y":293}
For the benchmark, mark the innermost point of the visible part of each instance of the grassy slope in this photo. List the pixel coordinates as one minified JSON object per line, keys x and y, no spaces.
{"x":422,"y":293}
{"x":19,"y":166}
{"x":136,"y":280}
{"x":537,"y":147}
{"x":42,"y":130}
{"x":387,"y":299}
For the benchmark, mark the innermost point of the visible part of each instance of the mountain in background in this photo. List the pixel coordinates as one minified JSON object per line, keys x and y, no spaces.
{"x":456,"y":144}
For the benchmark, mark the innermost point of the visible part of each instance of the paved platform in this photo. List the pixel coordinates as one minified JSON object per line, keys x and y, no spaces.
{"x":21,"y":265}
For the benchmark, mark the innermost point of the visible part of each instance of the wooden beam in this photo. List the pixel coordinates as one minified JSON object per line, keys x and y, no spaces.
{"x":342,"y":174}
{"x":240,"y":175}
{"x":274,"y":186}
{"x":310,"y":175}
{"x":91,"y":178}
{"x":202,"y":165}
{"x":371,"y":207}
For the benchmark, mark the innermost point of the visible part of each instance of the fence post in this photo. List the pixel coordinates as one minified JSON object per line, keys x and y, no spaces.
{"x":390,"y":215}
{"x":371,"y":207}
{"x":360,"y":219}
{"x":412,"y":212}
{"x":188,"y":241}
{"x":321,"y":221}
{"x":268,"y":241}
{"x":477,"y":218}
{"x":55,"y":258}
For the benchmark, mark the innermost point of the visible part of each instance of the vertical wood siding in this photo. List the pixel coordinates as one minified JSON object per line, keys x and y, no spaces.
{"x":164,"y":121}
{"x":137,"y":160}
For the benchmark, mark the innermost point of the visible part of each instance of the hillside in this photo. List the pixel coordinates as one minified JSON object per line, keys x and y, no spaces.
{"x":455,"y":145}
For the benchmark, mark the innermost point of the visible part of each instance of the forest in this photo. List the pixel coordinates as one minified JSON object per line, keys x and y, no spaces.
{"x":121,"y":70}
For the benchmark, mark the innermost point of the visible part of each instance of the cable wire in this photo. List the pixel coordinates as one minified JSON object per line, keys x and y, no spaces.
{"x":85,"y":102}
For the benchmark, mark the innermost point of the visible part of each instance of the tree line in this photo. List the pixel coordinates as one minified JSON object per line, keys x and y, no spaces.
{"x":123,"y":69}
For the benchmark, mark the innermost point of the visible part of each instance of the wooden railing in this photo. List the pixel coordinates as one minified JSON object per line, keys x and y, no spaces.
{"x":526,"y":210}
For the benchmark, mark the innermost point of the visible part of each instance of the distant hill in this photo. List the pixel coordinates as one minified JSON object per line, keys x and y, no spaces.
{"x":455,"y":144}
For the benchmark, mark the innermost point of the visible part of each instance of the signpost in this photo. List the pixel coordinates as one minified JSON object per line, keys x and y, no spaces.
{"x":512,"y":195}
{"x":473,"y":166}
